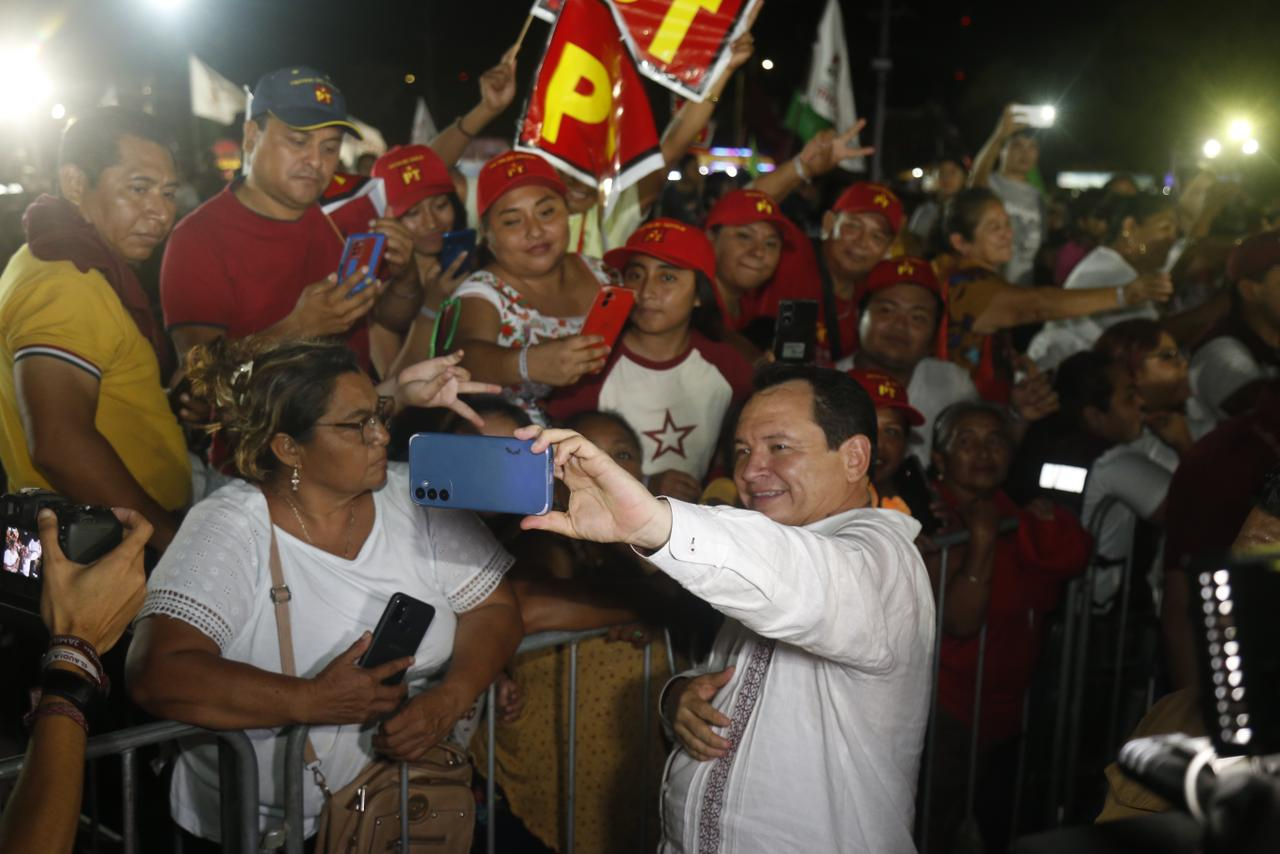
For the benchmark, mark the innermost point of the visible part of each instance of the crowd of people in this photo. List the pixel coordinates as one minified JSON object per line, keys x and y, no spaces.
{"x":768,"y":528}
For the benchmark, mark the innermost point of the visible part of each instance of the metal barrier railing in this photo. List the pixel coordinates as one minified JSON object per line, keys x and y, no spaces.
{"x":294,"y":764}
{"x":238,"y":769}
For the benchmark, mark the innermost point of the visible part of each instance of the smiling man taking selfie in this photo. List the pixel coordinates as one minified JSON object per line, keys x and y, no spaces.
{"x":803,"y":730}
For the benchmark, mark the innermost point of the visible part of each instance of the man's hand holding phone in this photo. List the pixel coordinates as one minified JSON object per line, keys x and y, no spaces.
{"x":398,"y":250}
{"x":331,"y":307}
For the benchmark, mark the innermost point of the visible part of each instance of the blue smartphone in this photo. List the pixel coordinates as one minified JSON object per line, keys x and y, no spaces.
{"x":455,"y":243}
{"x":362,"y":250}
{"x":486,"y":473}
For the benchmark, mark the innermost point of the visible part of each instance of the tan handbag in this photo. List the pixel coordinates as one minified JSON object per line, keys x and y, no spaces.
{"x":364,"y":816}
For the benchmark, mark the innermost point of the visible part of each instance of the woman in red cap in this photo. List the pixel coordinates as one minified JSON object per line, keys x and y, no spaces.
{"x":983,"y":307}
{"x":422,"y":195}
{"x":521,"y":314}
{"x":670,"y":376}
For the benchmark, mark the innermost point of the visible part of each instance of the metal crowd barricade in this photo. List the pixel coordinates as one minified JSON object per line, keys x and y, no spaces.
{"x":944,"y":545}
{"x":1072,"y":679}
{"x":238,"y":769}
{"x":294,"y":765}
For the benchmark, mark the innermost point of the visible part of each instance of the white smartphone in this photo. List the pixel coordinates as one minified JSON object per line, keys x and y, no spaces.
{"x":1063,"y":478}
{"x":1035,"y":116}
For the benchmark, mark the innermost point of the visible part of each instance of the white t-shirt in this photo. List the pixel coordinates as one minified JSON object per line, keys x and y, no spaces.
{"x":1219,"y":369}
{"x":1025,"y":206}
{"x":1102,"y":268}
{"x":216,"y":576}
{"x":1138,"y":476}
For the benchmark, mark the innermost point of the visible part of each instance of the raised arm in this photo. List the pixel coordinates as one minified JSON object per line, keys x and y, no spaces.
{"x":985,"y":163}
{"x":1015,"y":306}
{"x":497,"y":90}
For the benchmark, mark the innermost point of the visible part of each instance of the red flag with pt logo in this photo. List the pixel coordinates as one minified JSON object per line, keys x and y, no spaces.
{"x":588,"y":113}
{"x":682,"y":44}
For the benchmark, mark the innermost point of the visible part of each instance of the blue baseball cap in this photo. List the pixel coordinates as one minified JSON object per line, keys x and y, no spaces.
{"x":303,"y":98}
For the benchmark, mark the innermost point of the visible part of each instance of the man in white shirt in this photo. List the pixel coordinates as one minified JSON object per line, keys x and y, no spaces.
{"x":900,"y":310}
{"x":804,"y":730}
{"x":1241,"y":353}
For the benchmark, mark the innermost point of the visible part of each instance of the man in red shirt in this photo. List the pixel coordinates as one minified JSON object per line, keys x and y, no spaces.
{"x":261,"y":257}
{"x":856,"y":234}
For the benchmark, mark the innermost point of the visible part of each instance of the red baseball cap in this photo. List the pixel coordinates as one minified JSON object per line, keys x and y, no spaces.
{"x":887,"y":393}
{"x":514,"y":169}
{"x":903,"y":270}
{"x":743,"y":207}
{"x":411,"y":173}
{"x":1255,"y":257}
{"x":865,"y":197}
{"x":669,"y":240}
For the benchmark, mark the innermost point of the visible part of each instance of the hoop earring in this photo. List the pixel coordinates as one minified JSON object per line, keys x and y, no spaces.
{"x":295,"y":479}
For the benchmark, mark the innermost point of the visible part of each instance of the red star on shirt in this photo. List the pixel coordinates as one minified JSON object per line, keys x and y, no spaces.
{"x":669,"y":437}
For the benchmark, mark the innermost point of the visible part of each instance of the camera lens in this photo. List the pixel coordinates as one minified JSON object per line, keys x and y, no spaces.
{"x":444,"y":495}
{"x":420,"y":493}
{"x":431,"y":493}
{"x":399,"y":613}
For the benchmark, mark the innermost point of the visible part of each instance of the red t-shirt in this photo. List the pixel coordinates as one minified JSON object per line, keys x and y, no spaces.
{"x":1031,"y":564}
{"x":677,"y":407}
{"x":230,"y":267}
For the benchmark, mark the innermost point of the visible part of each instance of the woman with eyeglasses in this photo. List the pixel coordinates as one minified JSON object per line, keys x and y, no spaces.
{"x":307,"y":432}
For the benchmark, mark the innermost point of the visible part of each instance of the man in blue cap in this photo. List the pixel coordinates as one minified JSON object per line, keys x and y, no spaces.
{"x":261,"y":257}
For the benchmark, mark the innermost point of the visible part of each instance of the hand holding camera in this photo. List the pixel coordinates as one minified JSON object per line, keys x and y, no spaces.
{"x":94,"y":601}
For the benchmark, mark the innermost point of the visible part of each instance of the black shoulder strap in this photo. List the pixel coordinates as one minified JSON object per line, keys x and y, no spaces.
{"x":830,"y":317}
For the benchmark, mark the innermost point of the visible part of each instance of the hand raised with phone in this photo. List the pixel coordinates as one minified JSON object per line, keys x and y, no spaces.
{"x":331,"y":307}
{"x":564,"y":361}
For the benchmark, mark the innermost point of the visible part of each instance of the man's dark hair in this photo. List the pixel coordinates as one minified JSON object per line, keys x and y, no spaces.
{"x":841,"y":407}
{"x":966,"y":209}
{"x":1116,"y":209}
{"x":92,"y":141}
{"x":1083,"y":380}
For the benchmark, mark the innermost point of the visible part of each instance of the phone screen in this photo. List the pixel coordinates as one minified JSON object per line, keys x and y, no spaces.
{"x":362,"y":250}
{"x":1063,"y":478}
{"x":22,"y":553}
{"x":455,"y":243}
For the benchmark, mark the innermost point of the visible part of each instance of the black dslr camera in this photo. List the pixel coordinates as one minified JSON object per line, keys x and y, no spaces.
{"x":85,"y":533}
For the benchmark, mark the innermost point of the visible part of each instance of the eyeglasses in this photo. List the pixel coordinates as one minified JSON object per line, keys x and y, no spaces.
{"x":370,"y":426}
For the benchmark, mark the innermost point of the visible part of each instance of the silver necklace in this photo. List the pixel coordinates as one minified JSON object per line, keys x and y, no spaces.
{"x":297,"y":514}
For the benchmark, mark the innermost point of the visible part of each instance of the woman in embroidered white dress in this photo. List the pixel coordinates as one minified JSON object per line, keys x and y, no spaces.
{"x":308,"y":432}
{"x":521,"y":313}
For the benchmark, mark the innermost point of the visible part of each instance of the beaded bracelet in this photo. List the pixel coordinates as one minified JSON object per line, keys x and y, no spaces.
{"x":49,"y":710}
{"x":523,"y":364}
{"x":69,"y":655}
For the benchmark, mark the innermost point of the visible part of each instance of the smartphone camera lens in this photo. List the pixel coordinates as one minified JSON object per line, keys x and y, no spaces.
{"x":444,"y":495}
{"x":399,"y":614}
{"x":431,"y":493}
{"x":420,"y":493}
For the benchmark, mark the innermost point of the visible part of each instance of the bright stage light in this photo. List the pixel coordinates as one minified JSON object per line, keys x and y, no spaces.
{"x":1212,"y":148}
{"x":1250,"y":146}
{"x":24,"y":87}
{"x":1239,"y":130}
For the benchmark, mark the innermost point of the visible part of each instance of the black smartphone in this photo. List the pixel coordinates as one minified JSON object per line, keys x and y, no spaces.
{"x":913,"y":488}
{"x":795,"y":338}
{"x":400,"y":631}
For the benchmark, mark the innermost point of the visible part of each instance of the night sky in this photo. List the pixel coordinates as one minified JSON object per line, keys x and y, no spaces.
{"x":1131,"y":80}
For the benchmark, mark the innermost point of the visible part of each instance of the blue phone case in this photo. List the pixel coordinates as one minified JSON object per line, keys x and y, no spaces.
{"x":486,"y":473}
{"x":350,"y":263}
{"x":455,"y":243}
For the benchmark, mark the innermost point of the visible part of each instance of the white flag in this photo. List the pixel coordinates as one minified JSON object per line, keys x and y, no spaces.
{"x":830,"y":89}
{"x":424,"y":129}
{"x":213,"y":96}
{"x":371,"y":143}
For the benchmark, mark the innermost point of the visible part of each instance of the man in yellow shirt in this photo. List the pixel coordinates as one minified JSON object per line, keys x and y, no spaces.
{"x":82,"y":406}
